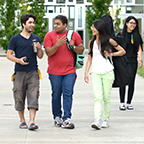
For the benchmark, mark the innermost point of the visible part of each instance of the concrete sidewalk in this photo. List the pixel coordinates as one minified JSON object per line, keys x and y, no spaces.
{"x":125,"y":126}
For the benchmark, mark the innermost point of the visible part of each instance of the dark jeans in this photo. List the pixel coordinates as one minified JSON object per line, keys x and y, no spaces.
{"x":62,"y":84}
{"x":133,"y":63}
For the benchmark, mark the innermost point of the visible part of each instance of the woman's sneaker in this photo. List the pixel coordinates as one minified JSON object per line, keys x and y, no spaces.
{"x":130,"y":107}
{"x":96,"y":125}
{"x":58,"y":122}
{"x":68,"y":124}
{"x":105,"y":124}
{"x":122,"y":107}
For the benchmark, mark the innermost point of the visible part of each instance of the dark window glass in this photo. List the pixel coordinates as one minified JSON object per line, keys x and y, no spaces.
{"x":60,"y":1}
{"x":79,"y":1}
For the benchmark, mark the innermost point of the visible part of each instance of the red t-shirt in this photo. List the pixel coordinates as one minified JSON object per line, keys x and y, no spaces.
{"x":62,"y":61}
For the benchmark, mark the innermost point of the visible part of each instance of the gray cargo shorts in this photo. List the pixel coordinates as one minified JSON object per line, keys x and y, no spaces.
{"x":26,"y":85}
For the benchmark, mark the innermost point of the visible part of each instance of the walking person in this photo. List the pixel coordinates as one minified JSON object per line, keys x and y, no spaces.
{"x":133,"y":49}
{"x":100,"y":49}
{"x":26,"y":76}
{"x":61,"y":70}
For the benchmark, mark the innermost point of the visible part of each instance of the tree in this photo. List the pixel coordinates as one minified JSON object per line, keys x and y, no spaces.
{"x":96,"y":11}
{"x":37,"y":8}
{"x":8,"y":27}
{"x":117,"y":20}
{"x":10,"y":12}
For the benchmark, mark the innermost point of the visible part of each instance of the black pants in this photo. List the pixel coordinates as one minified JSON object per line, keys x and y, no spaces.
{"x":133,"y":63}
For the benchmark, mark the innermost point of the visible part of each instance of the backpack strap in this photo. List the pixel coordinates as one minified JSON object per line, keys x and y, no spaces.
{"x":69,"y":36}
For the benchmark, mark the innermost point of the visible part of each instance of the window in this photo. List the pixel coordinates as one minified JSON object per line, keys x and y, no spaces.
{"x":128,"y":10}
{"x":139,"y":2}
{"x":129,"y":1}
{"x":79,"y":16}
{"x":60,"y":1}
{"x":79,"y":1}
{"x":118,"y":1}
{"x":59,"y":9}
{"x":81,"y":34}
{"x":49,"y":9}
{"x":71,"y":12}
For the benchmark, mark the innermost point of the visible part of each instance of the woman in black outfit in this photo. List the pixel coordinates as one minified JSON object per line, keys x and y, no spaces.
{"x":133,"y":49}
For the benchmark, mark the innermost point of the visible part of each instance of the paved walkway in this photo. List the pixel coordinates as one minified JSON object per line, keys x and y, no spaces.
{"x":125,"y":126}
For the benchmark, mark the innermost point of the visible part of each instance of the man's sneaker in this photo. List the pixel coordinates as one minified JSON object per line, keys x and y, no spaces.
{"x":68,"y":124}
{"x":105,"y":124}
{"x":96,"y":125}
{"x":58,"y":122}
{"x":130,"y":107}
{"x":122,"y":107}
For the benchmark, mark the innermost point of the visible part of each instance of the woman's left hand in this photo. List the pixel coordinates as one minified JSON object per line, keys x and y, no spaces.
{"x":140,"y":63}
{"x":108,"y":54}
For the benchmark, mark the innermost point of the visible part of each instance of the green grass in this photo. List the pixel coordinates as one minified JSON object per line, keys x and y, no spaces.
{"x":140,"y":71}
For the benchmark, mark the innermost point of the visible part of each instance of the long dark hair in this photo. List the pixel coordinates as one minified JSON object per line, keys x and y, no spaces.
{"x":104,"y":37}
{"x":136,"y":35}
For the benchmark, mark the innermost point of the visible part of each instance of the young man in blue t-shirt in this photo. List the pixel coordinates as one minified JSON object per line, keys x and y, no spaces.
{"x":26,"y":77}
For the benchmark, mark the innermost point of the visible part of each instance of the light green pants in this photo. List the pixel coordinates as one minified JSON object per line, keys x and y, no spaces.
{"x":102,"y":85}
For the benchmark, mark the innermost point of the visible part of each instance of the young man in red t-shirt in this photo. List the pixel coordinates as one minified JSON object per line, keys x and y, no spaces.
{"x":61,"y":70}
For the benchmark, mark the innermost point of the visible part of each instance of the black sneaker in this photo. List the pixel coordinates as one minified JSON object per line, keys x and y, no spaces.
{"x":122,"y":107}
{"x":67,"y":124}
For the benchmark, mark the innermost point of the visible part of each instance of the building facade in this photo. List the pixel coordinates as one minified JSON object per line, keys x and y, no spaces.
{"x":75,"y":12}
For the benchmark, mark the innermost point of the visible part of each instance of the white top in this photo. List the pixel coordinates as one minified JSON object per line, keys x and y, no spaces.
{"x":100,"y":65}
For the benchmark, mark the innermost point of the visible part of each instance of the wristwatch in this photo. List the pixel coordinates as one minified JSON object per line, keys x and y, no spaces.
{"x":74,"y":47}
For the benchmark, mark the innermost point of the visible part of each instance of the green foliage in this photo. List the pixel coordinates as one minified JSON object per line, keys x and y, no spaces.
{"x":37,"y":9}
{"x":96,"y":11}
{"x":140,"y":71}
{"x":8,"y":27}
{"x":10,"y":13}
{"x":117,"y":20}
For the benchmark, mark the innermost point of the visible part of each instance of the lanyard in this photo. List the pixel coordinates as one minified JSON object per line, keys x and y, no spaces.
{"x":132,"y":41}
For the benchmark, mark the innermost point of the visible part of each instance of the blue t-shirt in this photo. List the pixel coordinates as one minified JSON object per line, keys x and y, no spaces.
{"x":23,"y":48}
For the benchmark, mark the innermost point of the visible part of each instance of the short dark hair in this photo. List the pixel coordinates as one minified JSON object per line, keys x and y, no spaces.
{"x":62,"y":18}
{"x":25,"y":17}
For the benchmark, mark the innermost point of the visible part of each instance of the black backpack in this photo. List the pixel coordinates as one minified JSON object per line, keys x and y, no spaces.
{"x":122,"y":67}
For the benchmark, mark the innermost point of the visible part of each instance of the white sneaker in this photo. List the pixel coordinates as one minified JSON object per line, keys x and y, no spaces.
{"x":96,"y":125}
{"x":105,"y":124}
{"x":58,"y":122}
{"x":68,"y":124}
